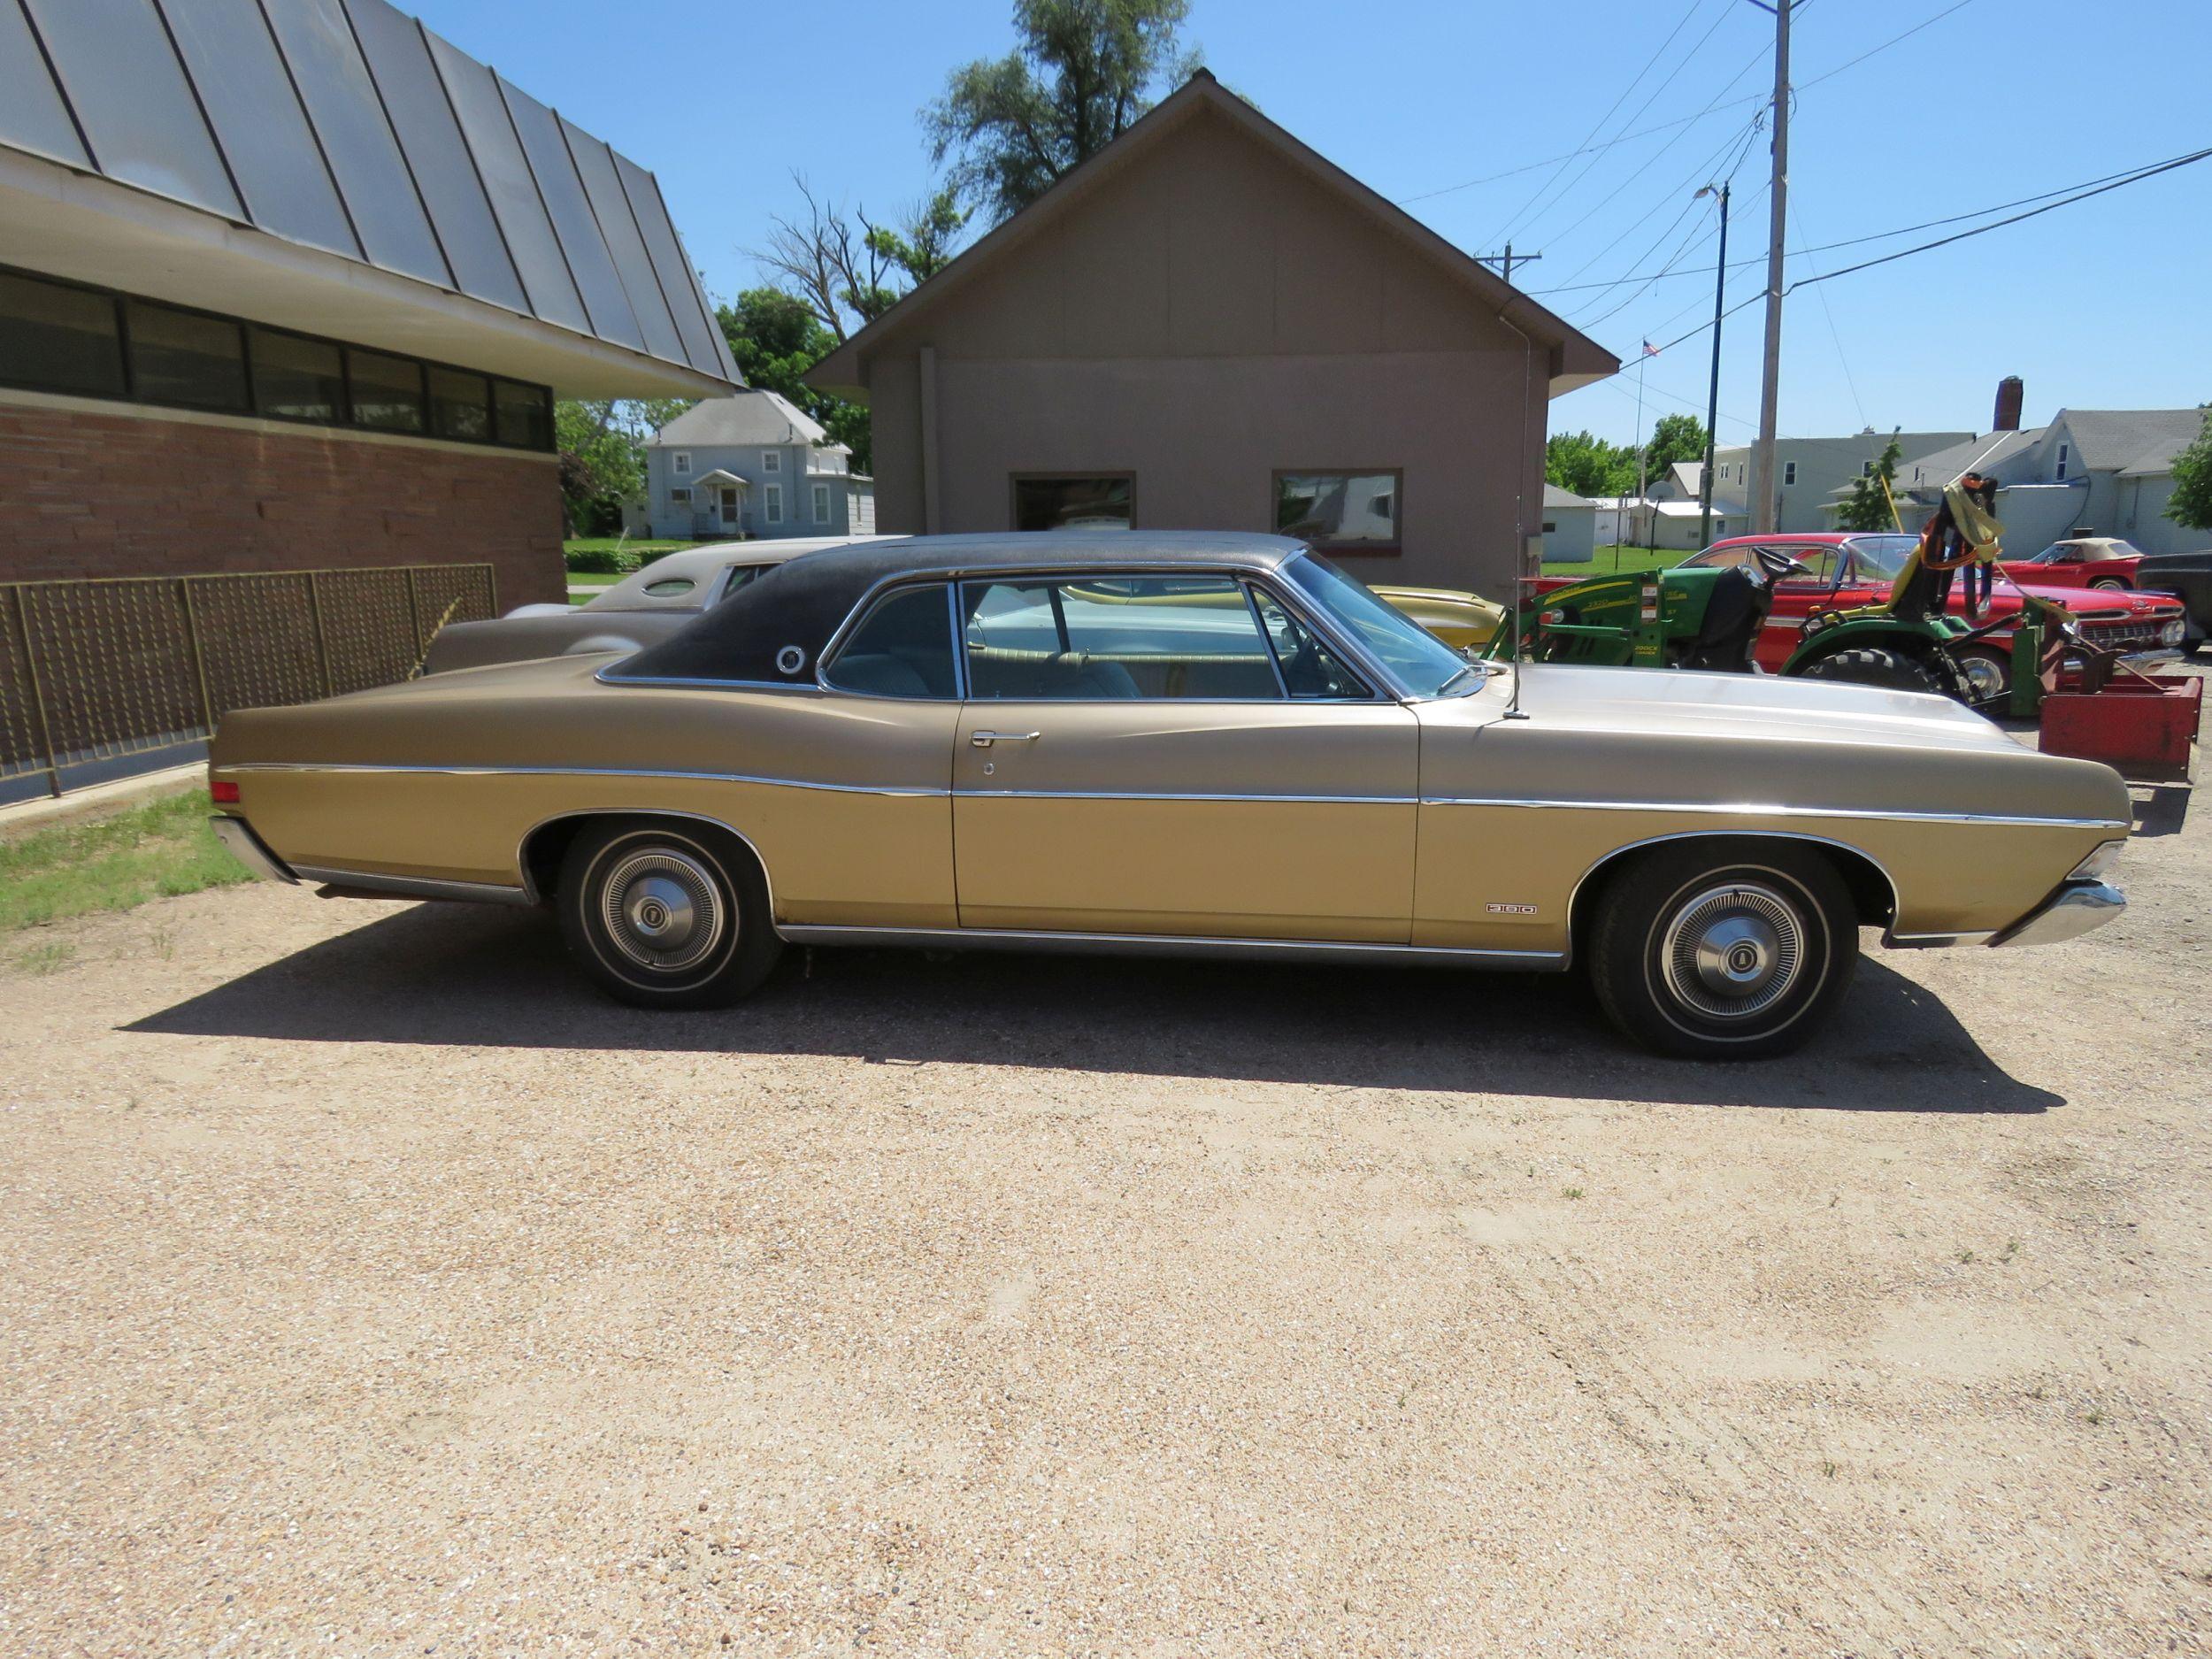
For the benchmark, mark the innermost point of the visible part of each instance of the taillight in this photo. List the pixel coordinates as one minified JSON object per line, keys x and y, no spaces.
{"x":223,"y":792}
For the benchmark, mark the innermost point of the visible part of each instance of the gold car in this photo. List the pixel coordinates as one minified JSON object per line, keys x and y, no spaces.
{"x":1465,"y":621}
{"x":1197,"y":743}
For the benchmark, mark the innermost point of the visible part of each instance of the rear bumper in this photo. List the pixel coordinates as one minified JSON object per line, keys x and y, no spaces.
{"x":2077,"y":908}
{"x":247,"y":848}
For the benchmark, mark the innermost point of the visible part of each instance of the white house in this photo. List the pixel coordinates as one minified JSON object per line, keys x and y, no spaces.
{"x":1810,"y":472}
{"x":752,"y":465}
{"x":2091,"y":472}
{"x":1571,"y":526}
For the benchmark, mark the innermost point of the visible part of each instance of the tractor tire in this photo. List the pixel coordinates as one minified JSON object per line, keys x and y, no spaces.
{"x":1869,"y":665}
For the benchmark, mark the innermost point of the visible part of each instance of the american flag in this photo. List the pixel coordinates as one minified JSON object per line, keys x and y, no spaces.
{"x":1650,"y":351}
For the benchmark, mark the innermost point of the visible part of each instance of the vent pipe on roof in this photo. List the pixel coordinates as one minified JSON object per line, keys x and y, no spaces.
{"x":2010,"y":394}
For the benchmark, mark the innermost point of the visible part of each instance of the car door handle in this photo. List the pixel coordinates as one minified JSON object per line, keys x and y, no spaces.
{"x":984,"y":740}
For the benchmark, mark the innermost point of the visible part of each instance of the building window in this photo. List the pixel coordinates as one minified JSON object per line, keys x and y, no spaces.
{"x":186,"y":358}
{"x":821,"y":503}
{"x":2062,"y":453}
{"x":1350,"y":513}
{"x":771,"y":502}
{"x":680,"y":462}
{"x":460,"y":405}
{"x":386,"y":391}
{"x":681,"y":495}
{"x":296,"y":378}
{"x":771,"y":460}
{"x":1060,"y":501}
{"x":1866,"y":469}
{"x":94,"y":343}
{"x":1549,"y":527}
{"x":54,"y":338}
{"x":1789,"y":472}
{"x":522,"y":415}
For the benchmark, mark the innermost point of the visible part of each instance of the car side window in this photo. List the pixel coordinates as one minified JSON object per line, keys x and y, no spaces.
{"x":1822,"y":565}
{"x":737,"y":579}
{"x":902,"y":647}
{"x":1309,"y":668}
{"x":1720,"y":558}
{"x":1103,"y":637}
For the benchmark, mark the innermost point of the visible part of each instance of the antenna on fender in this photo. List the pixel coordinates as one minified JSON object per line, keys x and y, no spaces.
{"x":1513,"y":710}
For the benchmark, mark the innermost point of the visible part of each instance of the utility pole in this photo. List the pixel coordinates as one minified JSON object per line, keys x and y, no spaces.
{"x":1508,"y":260}
{"x":1763,"y":491}
{"x":1712,"y":392}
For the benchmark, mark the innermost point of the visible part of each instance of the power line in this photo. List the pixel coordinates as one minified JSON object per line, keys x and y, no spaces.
{"x":1663,"y":126}
{"x":1514,"y":224}
{"x":1689,"y":202}
{"x":2125,"y":175}
{"x":1944,"y":241}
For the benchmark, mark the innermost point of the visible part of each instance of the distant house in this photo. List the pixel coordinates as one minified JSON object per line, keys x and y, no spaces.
{"x":1809,"y":472}
{"x":1571,"y":526}
{"x":1208,"y":326}
{"x":753,"y":466}
{"x":2091,"y":472}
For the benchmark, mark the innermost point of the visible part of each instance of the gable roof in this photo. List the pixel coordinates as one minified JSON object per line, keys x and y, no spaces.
{"x":753,"y":416}
{"x":1555,"y":496}
{"x":1577,"y":360}
{"x":2113,"y":440}
{"x":1941,"y":466}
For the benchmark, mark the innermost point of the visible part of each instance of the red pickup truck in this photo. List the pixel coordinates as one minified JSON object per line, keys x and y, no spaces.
{"x":1842,"y":571}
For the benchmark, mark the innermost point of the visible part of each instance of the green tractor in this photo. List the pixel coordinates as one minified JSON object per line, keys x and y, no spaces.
{"x":1710,"y":619}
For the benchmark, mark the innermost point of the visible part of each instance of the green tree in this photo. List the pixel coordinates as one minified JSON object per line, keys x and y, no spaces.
{"x":2191,"y":502}
{"x":1080,"y":72}
{"x":1676,"y":438}
{"x":602,"y":443}
{"x":848,"y":269}
{"x":1868,"y":505}
{"x":1589,"y":465}
{"x":776,"y":337}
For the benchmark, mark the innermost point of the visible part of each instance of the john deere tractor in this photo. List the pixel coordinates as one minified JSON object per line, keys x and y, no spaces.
{"x":1710,"y":618}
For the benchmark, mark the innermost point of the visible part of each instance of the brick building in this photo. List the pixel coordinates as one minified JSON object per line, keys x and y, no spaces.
{"x":295,"y":286}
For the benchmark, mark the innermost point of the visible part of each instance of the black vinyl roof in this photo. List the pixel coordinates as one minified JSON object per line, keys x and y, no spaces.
{"x":803,"y":602}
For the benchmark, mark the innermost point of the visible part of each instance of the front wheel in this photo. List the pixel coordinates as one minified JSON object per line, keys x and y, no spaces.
{"x":1715,"y":953}
{"x":667,"y":913}
{"x":1891,"y":670}
{"x":2110,"y":583}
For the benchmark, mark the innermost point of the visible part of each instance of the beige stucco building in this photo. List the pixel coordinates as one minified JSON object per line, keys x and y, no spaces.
{"x":1209,"y":327}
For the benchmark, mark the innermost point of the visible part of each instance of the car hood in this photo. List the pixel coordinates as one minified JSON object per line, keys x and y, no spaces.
{"x":1664,"y":738}
{"x":1755,"y":706}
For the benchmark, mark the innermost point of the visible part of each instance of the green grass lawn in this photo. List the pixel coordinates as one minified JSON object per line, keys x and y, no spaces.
{"x":1610,"y":559}
{"x":155,"y":851}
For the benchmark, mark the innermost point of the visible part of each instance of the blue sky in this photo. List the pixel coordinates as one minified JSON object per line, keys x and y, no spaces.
{"x":2096,"y":306}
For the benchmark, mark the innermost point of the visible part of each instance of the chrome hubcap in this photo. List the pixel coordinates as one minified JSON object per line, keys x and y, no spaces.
{"x":662,"y":910}
{"x":1733,"y":950}
{"x":1985,"y":676}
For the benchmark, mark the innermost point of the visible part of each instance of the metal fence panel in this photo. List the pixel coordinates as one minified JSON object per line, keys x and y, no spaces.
{"x":106,"y":668}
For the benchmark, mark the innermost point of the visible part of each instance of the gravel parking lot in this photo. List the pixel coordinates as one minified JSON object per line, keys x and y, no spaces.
{"x":375,"y":1288}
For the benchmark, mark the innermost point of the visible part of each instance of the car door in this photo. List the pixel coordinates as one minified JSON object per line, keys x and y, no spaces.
{"x":1174,"y":755}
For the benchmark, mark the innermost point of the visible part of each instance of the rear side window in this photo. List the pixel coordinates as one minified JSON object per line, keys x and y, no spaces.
{"x":901,"y":648}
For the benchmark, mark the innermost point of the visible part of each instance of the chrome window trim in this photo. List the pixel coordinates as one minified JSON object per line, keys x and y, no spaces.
{"x":1274,"y":657}
{"x":857,"y":619}
{"x":1167,"y":944}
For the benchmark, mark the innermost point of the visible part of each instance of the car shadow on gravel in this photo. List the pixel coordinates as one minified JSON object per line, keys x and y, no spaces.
{"x":463,"y":976}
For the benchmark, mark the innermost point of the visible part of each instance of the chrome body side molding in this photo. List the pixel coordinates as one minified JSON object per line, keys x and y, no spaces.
{"x":1168,"y":945}
{"x":1759,"y":809}
{"x":372,"y":884}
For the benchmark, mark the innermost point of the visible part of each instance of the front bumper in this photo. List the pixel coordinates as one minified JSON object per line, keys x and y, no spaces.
{"x":2078,"y":907}
{"x":247,"y":848}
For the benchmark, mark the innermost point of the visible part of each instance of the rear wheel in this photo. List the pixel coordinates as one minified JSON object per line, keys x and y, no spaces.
{"x":1871,"y":665}
{"x":666,"y":913}
{"x":2119,"y":582}
{"x":1715,"y":953}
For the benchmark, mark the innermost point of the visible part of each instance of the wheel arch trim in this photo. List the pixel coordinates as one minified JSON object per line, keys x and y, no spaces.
{"x":1614,"y":857}
{"x":582,"y":815}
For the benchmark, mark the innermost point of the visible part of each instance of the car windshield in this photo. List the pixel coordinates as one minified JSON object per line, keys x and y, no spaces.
{"x":1422,"y":663}
{"x":1882,"y":556}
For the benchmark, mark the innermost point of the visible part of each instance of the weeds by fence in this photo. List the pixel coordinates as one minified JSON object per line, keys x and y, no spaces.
{"x":101,"y":669}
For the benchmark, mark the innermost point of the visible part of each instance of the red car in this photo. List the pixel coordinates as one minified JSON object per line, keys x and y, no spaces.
{"x":1847,"y":570}
{"x":2082,"y":561}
